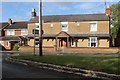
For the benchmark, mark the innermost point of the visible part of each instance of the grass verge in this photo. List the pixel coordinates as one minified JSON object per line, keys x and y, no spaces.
{"x":108,"y":64}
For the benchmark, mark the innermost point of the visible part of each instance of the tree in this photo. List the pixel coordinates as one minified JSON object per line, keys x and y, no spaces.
{"x":115,"y":16}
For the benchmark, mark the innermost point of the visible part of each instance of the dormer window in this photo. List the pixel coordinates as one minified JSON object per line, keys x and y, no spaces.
{"x":64,"y":26}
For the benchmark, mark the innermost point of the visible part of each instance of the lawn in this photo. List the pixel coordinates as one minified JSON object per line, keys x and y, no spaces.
{"x":109,"y":64}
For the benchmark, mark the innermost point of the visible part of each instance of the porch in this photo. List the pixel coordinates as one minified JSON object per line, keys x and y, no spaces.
{"x":10,"y":41}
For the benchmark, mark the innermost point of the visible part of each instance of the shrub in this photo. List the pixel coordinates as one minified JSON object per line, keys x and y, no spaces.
{"x":16,"y":47}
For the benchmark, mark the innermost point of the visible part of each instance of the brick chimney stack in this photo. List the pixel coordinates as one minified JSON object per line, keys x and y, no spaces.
{"x":108,"y":10}
{"x":10,"y":21}
{"x":33,"y":13}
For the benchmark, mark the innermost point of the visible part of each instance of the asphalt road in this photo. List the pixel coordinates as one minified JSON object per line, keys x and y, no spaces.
{"x":13,"y":70}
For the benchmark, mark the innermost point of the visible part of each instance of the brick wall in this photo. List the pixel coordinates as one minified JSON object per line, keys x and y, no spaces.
{"x":92,"y":50}
{"x":31,"y":49}
{"x":80,"y":50}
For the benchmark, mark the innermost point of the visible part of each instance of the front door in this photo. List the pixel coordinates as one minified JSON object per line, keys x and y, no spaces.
{"x":62,"y":43}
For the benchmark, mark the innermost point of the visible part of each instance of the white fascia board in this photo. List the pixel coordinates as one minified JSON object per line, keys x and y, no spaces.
{"x":64,"y":22}
{"x":93,"y":22}
{"x":15,"y":29}
{"x":36,"y":23}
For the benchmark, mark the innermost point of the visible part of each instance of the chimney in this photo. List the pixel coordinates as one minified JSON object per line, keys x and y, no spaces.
{"x":108,"y":10}
{"x":33,"y":13}
{"x":10,"y":21}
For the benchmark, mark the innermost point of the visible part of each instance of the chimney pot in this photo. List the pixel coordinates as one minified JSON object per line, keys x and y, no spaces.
{"x":33,"y":10}
{"x":33,"y":13}
{"x":10,"y":21}
{"x":108,"y":10}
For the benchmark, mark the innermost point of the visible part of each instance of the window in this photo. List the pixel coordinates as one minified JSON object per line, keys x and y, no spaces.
{"x":64,"y":26}
{"x":92,"y":42}
{"x":35,"y":31}
{"x":93,"y":27}
{"x":77,"y":23}
{"x":51,"y":25}
{"x":37,"y":26}
{"x":36,"y":42}
{"x":10,"y":32}
{"x":73,"y":43}
{"x":7,"y":43}
{"x":24,"y":32}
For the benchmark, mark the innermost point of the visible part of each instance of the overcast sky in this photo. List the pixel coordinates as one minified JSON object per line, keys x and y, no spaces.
{"x":21,"y":11}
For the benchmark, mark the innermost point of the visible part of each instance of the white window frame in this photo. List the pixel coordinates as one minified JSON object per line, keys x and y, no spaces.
{"x":7,"y":43}
{"x":36,"y":42}
{"x":73,"y":43}
{"x":37,"y":26}
{"x":93,"y":28}
{"x":90,"y":42}
{"x":78,"y":24}
{"x":24,"y":31}
{"x":66,"y":28}
{"x":9,"y":33}
{"x":51,"y":25}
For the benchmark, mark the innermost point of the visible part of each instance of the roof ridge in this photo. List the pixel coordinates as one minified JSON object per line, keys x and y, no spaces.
{"x":72,"y":14}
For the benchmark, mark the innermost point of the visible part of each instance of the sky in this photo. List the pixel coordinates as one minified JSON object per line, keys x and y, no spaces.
{"x":21,"y":11}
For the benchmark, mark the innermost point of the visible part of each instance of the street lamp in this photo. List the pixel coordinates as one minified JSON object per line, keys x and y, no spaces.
{"x":40,"y":28}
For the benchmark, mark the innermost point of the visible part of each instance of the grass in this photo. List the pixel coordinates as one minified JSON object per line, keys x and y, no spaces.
{"x":109,"y":64}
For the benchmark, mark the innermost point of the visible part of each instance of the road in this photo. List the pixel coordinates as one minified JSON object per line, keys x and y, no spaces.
{"x":13,"y":70}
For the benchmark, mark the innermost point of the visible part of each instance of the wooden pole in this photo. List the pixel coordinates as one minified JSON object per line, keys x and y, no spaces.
{"x":40,"y":28}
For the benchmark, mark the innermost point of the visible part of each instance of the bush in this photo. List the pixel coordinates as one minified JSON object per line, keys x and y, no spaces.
{"x":16,"y":47}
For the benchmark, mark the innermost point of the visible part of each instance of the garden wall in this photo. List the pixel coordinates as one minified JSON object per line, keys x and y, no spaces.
{"x":78,"y":50}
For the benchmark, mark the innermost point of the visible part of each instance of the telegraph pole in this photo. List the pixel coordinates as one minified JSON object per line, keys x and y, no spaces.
{"x":40,"y":28}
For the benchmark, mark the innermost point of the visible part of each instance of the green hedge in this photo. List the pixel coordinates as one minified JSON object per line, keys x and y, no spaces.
{"x":16,"y":47}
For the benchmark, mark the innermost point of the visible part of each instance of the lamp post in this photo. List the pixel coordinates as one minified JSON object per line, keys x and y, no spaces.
{"x":40,"y":28}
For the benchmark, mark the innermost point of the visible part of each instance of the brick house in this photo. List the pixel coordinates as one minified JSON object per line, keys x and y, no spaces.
{"x":73,"y":31}
{"x":82,"y":30}
{"x":12,"y":33}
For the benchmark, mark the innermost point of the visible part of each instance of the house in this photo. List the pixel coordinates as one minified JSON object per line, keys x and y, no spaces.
{"x":81,"y":30}
{"x":12,"y":33}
